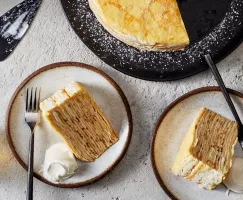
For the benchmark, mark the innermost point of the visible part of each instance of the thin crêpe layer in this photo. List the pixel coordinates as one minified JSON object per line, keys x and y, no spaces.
{"x":75,"y":116}
{"x":145,"y":24}
{"x":206,"y":153}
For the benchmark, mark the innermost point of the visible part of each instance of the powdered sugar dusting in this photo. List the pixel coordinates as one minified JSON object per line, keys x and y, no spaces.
{"x":155,"y":65}
{"x":14,"y":24}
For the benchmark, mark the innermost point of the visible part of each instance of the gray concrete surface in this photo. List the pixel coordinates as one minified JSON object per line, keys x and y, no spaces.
{"x":51,"y":39}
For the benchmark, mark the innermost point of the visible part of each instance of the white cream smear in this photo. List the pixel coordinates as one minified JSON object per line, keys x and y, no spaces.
{"x":234,"y":180}
{"x":59,"y":163}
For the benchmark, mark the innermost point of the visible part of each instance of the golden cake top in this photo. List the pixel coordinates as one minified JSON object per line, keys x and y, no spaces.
{"x":152,"y":21}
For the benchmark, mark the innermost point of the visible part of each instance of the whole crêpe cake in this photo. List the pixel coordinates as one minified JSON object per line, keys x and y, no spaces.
{"x":205,"y":155}
{"x":75,"y":116}
{"x":145,"y":24}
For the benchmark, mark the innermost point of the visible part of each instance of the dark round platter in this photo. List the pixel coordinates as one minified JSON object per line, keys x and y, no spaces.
{"x":214,"y":26}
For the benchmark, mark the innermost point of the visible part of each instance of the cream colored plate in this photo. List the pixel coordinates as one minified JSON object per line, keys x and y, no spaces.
{"x":104,"y":91}
{"x":170,"y":132}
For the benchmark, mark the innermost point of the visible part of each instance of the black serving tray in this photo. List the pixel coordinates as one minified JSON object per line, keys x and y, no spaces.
{"x":214,"y":26}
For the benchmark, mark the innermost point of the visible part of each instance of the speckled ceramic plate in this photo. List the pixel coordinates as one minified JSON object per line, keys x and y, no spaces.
{"x":107,"y":94}
{"x":212,"y":25}
{"x":169,"y":133}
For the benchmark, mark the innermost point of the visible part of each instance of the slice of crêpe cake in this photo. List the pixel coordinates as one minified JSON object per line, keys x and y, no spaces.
{"x":154,"y":25}
{"x":75,"y":116}
{"x":206,"y":153}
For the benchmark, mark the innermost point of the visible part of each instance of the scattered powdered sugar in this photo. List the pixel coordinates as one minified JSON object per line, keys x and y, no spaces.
{"x":155,"y":65}
{"x":21,"y":31}
{"x":15,"y":28}
{"x":14,"y":24}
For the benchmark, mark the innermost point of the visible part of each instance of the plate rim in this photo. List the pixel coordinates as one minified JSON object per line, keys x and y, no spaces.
{"x":79,"y":65}
{"x":161,"y":118}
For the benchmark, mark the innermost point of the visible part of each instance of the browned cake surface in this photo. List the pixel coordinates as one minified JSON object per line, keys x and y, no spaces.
{"x":205,"y":155}
{"x":80,"y":122}
{"x":215,"y":136}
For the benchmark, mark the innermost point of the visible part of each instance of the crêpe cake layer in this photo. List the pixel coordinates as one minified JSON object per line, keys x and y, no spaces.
{"x":75,"y":116}
{"x":144,"y":24}
{"x":205,"y":155}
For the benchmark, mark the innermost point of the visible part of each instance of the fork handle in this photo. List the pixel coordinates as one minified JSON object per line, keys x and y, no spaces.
{"x":30,"y":168}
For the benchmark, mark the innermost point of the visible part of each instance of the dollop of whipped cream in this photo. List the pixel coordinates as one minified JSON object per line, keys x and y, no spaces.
{"x":59,"y":163}
{"x":234,"y":180}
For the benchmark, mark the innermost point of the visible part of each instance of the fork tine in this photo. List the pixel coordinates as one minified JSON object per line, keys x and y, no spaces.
{"x":31,"y":100}
{"x":38,"y":100}
{"x":27,"y":100}
{"x":35,"y":101}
